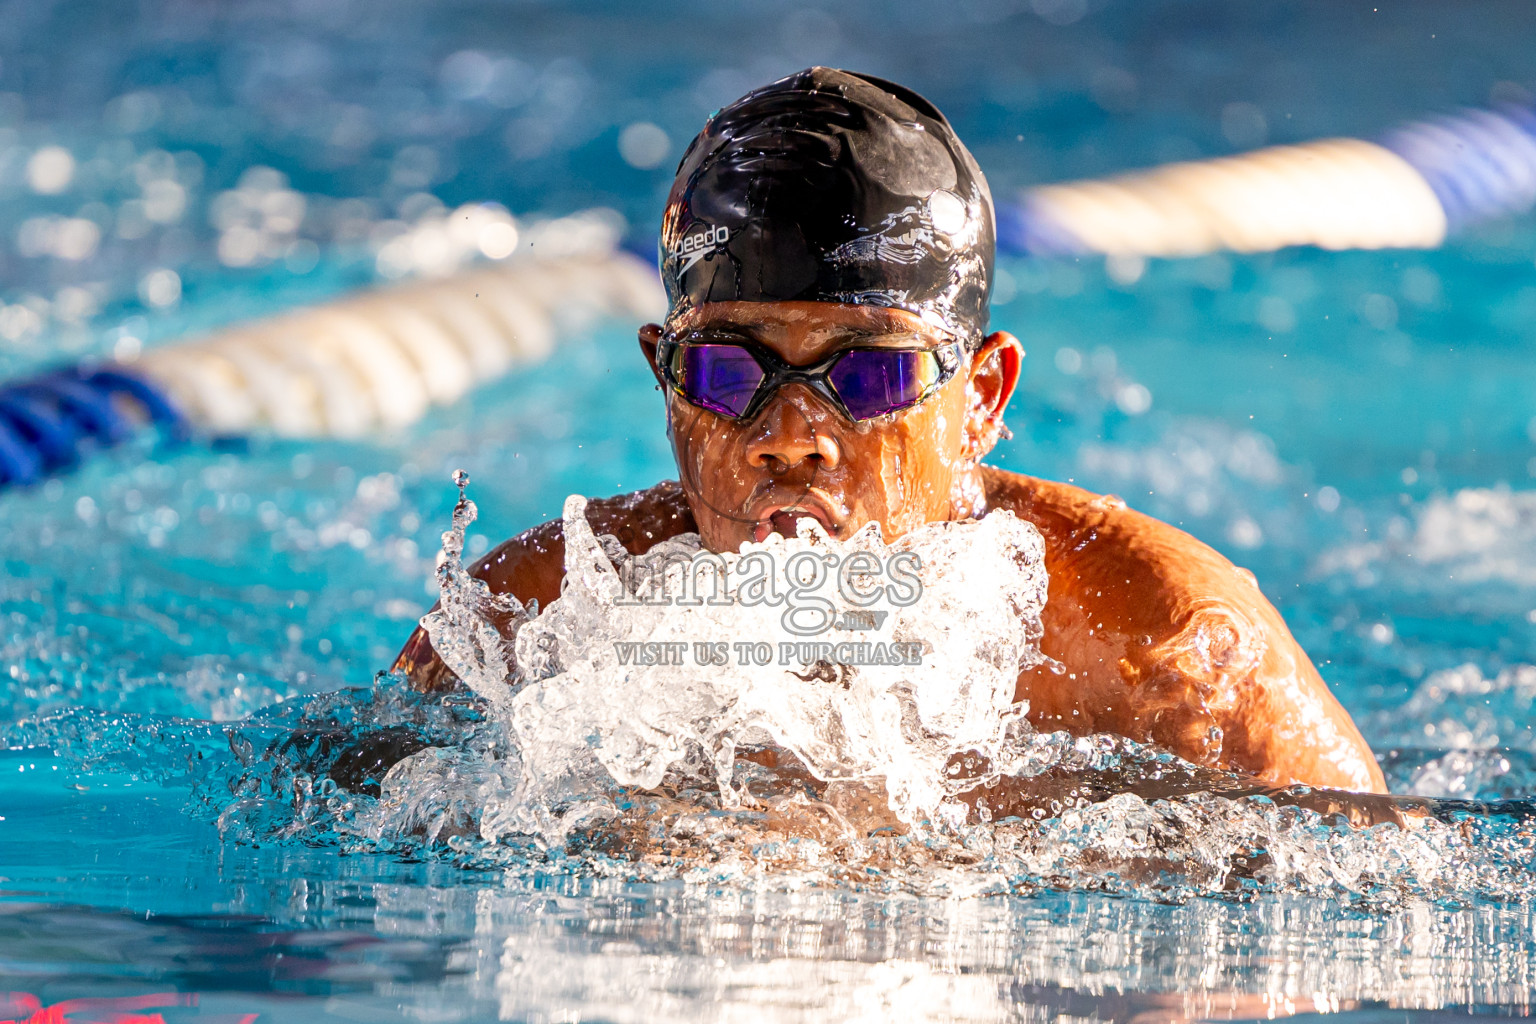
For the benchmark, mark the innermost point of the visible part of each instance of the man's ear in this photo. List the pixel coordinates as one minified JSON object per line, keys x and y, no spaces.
{"x":650,"y":338}
{"x":994,"y":375}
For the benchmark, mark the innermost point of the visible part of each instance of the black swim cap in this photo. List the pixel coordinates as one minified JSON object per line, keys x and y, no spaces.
{"x":829,"y":186}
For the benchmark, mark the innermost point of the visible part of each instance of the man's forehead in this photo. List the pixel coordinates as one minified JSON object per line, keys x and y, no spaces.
{"x":805,"y":316}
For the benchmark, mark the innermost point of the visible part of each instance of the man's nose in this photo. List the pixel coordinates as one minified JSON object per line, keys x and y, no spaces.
{"x":785,"y":434}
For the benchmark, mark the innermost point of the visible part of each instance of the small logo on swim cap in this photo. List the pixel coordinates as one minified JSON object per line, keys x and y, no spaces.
{"x":698,"y":245}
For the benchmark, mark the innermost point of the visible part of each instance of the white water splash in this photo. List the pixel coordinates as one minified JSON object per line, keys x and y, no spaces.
{"x":1474,"y":538}
{"x":585,"y":718}
{"x":471,"y":625}
{"x":648,"y":770}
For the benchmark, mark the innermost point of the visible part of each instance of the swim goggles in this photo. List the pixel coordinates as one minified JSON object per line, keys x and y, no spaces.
{"x":732,"y":376}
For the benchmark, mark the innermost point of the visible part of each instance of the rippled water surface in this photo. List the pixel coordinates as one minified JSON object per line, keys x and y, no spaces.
{"x":189,"y":636}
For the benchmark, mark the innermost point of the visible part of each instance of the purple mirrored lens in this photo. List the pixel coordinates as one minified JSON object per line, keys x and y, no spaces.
{"x":873,"y":382}
{"x":721,"y":378}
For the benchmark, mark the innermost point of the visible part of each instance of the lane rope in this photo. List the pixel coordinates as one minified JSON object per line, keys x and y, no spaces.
{"x":378,"y":361}
{"x":1411,"y":189}
{"x":351,"y":368}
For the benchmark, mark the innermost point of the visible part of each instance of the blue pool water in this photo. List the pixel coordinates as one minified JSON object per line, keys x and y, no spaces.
{"x":1359,"y":429}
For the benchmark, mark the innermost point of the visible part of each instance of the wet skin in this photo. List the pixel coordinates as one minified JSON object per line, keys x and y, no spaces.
{"x":1163,"y":640}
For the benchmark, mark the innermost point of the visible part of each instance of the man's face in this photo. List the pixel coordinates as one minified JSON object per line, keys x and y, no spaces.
{"x":800,"y":456}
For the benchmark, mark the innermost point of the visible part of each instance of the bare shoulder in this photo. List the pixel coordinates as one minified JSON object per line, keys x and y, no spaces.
{"x":1119,"y":574}
{"x":531,"y":565}
{"x":1080,"y":526}
{"x":1165,"y":640}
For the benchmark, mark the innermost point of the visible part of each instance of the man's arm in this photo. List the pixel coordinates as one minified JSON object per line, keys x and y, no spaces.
{"x":1047,"y":792}
{"x":531,"y":565}
{"x":1165,"y":641}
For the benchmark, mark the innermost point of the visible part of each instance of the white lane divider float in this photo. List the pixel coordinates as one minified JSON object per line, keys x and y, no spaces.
{"x":1335,"y":194}
{"x":381,"y":359}
{"x":1411,"y":189}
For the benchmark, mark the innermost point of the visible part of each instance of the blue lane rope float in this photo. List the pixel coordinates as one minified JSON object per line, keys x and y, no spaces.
{"x":48,"y":421}
{"x":351,"y":368}
{"x":1480,"y":164}
{"x":1409,"y":190}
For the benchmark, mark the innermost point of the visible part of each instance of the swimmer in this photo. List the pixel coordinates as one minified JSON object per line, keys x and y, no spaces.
{"x":828,"y":249}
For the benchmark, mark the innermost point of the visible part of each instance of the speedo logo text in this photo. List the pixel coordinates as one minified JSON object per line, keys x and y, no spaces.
{"x":698,"y":245}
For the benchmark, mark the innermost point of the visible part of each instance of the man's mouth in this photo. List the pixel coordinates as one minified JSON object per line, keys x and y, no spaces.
{"x":784,"y":519}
